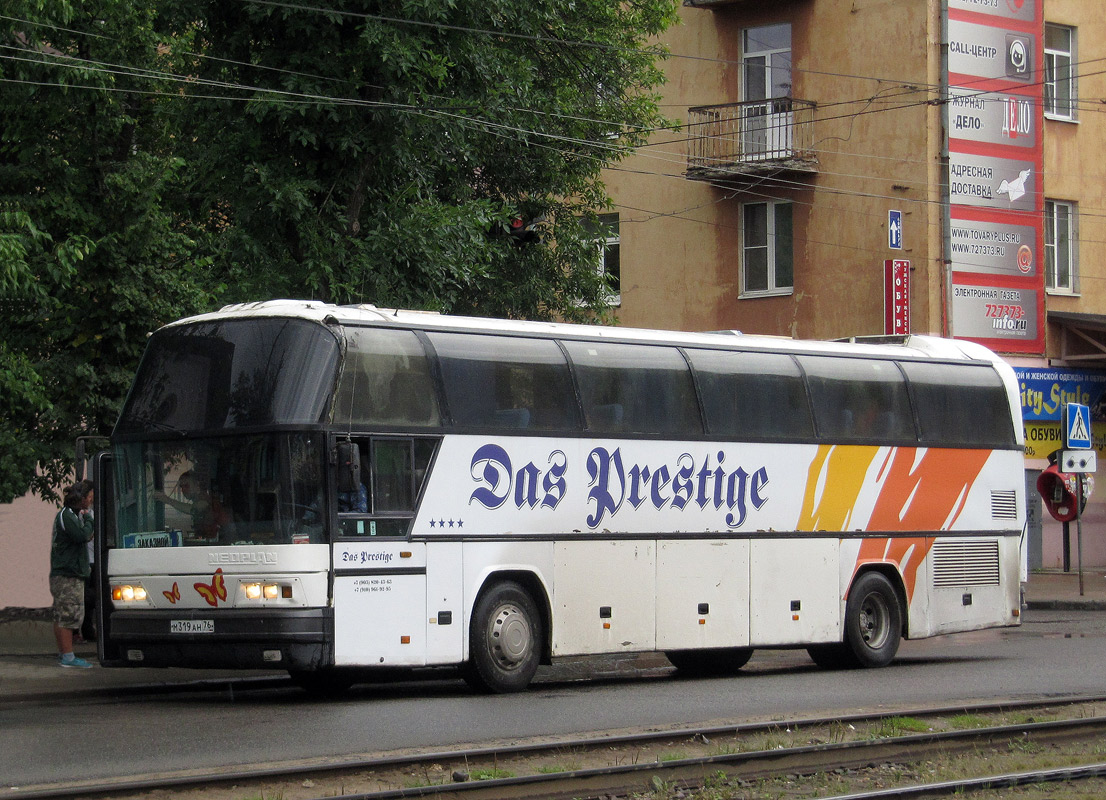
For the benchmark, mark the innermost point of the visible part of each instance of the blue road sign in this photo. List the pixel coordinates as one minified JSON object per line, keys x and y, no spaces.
{"x":1077,"y":427}
{"x":894,"y":230}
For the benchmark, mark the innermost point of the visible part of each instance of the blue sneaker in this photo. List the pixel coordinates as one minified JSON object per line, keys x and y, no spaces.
{"x":74,"y":663}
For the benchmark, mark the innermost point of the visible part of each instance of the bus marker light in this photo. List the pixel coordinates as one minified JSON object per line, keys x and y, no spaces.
{"x":405,"y":640}
{"x":606,"y":626}
{"x":794,"y":617}
{"x":404,"y":553}
{"x":702,"y":622}
{"x":1017,"y":612}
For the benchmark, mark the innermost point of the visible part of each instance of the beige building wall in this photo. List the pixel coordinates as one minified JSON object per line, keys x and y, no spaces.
{"x":877,"y":144}
{"x":25,"y":527}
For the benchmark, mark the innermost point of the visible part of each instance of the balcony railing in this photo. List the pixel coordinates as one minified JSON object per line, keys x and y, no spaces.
{"x":734,"y":140}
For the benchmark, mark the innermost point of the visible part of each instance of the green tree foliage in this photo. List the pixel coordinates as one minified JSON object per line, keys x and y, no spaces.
{"x":375,"y":144}
{"x":158,"y":157}
{"x":93,"y":253}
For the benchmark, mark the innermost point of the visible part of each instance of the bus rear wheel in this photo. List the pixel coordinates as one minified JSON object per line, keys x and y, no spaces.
{"x":713,"y":661}
{"x":505,"y":640}
{"x":873,"y":627}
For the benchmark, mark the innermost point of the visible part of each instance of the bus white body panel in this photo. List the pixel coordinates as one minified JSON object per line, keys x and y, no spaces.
{"x":702,"y":594}
{"x":380,"y":603}
{"x":604,"y":597}
{"x":796,"y":592}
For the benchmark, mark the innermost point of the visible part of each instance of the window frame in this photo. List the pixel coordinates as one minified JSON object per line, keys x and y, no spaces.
{"x":771,"y":247}
{"x":1054,"y":57}
{"x":608,"y":238}
{"x":1053,"y":241}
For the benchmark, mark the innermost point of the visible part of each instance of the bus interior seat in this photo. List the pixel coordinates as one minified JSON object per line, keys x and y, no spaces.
{"x":512,"y":417}
{"x":607,"y":416}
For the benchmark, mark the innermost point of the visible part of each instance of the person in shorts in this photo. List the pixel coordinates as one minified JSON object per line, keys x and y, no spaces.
{"x":69,"y":568}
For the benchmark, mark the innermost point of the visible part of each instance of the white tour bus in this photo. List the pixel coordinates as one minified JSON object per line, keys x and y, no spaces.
{"x":329,"y":489}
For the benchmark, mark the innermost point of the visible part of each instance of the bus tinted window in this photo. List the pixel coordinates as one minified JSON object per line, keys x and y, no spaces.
{"x":752,"y":395}
{"x":858,"y":400}
{"x":232,"y":373}
{"x":506,"y":382}
{"x":635,"y":389}
{"x":386,"y":381}
{"x":960,"y":405}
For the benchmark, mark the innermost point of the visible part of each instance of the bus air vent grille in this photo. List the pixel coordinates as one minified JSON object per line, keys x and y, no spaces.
{"x":1004,"y":504}
{"x":965,"y":564}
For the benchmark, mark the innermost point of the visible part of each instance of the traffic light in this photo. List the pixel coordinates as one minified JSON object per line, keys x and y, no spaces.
{"x":523,"y":231}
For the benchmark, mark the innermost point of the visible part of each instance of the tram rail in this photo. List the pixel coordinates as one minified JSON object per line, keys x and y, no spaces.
{"x":625,"y":779}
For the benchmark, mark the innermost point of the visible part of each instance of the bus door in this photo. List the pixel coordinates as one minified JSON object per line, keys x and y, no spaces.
{"x":379,"y":603}
{"x":104,"y":541}
{"x":379,"y":575}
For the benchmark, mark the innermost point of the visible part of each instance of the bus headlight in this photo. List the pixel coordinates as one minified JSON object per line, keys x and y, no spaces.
{"x":256,"y":590}
{"x":128,"y":593}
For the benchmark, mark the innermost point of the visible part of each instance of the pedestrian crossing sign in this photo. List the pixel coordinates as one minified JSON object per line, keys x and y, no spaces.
{"x":1077,"y":427}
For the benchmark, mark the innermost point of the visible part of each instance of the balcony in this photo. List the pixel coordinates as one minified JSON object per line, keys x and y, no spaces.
{"x":735,"y":142}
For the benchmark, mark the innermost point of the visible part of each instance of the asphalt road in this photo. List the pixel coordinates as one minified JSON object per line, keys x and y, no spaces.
{"x":131,"y":734}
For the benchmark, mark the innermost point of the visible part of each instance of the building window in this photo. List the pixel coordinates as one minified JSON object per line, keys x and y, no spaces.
{"x":1060,"y":94}
{"x":1061,"y":273}
{"x":766,"y":58}
{"x":767,"y":249}
{"x":607,"y":238}
{"x":766,"y":125}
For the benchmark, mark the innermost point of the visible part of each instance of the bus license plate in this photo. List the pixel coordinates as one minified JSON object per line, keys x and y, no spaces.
{"x":192,"y":626}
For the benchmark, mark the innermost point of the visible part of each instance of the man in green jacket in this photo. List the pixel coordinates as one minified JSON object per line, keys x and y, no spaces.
{"x":69,"y":568}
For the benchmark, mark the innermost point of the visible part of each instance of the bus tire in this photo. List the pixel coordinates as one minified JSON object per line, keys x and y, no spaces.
{"x":831,"y":656}
{"x":327,"y":682}
{"x":873,"y":621}
{"x":711,"y":661}
{"x":505,"y":640}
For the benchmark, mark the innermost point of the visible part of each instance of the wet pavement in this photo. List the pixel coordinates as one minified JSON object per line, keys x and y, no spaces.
{"x":29,"y":669}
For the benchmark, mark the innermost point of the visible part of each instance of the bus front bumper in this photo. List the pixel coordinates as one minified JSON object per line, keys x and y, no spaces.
{"x":289,"y":639}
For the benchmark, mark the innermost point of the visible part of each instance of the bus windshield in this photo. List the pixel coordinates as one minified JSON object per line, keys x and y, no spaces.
{"x":221,"y":374}
{"x":229,"y":490}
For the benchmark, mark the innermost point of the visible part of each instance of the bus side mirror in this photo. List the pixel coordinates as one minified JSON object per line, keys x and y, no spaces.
{"x":349,"y":467}
{"x":1058,"y":491}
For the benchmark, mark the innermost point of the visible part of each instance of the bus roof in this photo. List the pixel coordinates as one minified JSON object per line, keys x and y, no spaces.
{"x":911,"y":346}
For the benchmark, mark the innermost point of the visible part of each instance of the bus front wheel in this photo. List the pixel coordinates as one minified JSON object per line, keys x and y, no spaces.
{"x":504,"y":640}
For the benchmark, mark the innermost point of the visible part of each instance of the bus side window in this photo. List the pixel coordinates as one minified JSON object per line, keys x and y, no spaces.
{"x":859,"y":400}
{"x":392,"y":476}
{"x":960,"y":405}
{"x":635,"y":389}
{"x":386,"y":381}
{"x":506,"y":383}
{"x":756,"y":396}
{"x":393,"y":472}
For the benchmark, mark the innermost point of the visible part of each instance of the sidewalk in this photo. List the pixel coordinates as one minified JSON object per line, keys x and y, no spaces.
{"x":28,"y":668}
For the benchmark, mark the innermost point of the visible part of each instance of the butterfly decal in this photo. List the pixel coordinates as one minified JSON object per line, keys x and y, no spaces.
{"x":174,"y":595}
{"x":215,"y":591}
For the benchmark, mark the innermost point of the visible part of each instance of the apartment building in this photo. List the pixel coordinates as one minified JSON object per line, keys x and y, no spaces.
{"x":858,"y":167}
